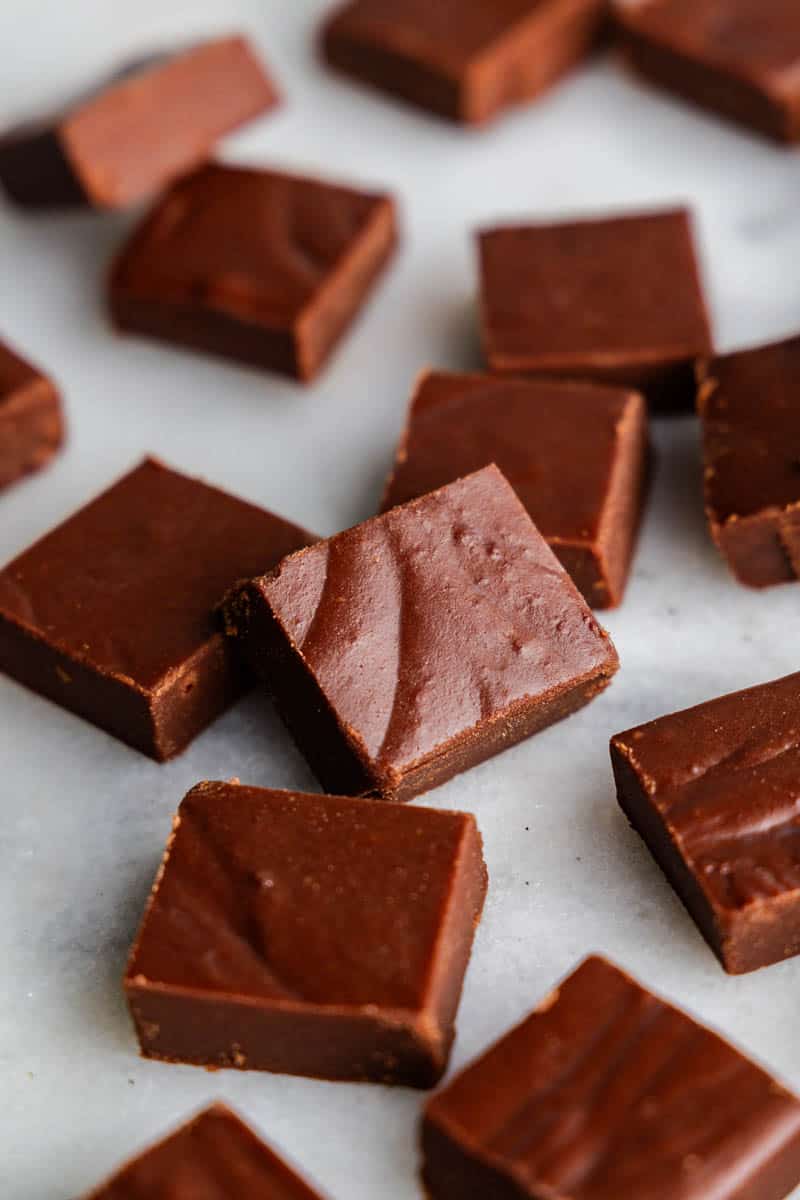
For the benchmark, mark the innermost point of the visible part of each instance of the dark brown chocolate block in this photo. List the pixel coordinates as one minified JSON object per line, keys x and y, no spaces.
{"x":422,"y":642}
{"x":575,"y":454}
{"x":608,"y":1093}
{"x":213,"y":1157}
{"x":260,"y":267}
{"x":132,"y":136}
{"x":750,"y":411}
{"x":466,"y":60}
{"x":312,"y":935}
{"x":740,"y":58}
{"x":110,"y":614}
{"x":615,"y":301}
{"x":715,"y":793}
{"x":31,"y":424}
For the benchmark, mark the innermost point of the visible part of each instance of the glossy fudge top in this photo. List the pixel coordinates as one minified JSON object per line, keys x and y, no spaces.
{"x":624,"y":291}
{"x":422,"y":623}
{"x":254,"y":243}
{"x":750,"y":407}
{"x":556,"y":443}
{"x":129,"y":582}
{"x":15,"y":373}
{"x":214,"y":1157}
{"x":304,"y":899}
{"x":605,"y":1092}
{"x":725,"y":779}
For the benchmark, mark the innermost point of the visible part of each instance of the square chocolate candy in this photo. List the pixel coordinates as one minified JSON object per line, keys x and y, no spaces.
{"x":313,"y":935}
{"x":608,"y":1093}
{"x":31,"y":423}
{"x":422,"y":642}
{"x":110,"y":614}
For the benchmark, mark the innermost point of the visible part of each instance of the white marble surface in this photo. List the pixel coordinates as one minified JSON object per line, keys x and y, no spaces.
{"x":83,"y":819}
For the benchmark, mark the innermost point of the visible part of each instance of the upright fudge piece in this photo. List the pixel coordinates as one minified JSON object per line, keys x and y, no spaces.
{"x":313,"y":935}
{"x":612,"y":301}
{"x":715,"y":793}
{"x":576,"y":455}
{"x":422,"y":642}
{"x":130,"y":137}
{"x":214,"y":1156}
{"x":740,"y":58}
{"x":606,"y":1092}
{"x":466,"y":60}
{"x":31,"y":424}
{"x":750,"y":409}
{"x":255,"y":266}
{"x":110,"y":615}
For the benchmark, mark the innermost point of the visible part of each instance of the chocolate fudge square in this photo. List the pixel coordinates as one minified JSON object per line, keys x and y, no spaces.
{"x":110,"y":614}
{"x":212,"y":1157}
{"x":130,"y":137}
{"x":739,"y":58}
{"x":264,"y":268}
{"x":616,"y":301}
{"x":31,"y":422}
{"x":422,"y":642}
{"x":714,"y":791}
{"x":465,"y":60}
{"x":576,"y":455}
{"x":312,"y":935}
{"x":750,"y":411}
{"x":607,"y":1092}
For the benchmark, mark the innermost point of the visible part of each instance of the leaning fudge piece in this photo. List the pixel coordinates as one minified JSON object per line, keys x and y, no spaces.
{"x":111,"y":614}
{"x":606,"y":1092}
{"x":422,"y":642}
{"x":313,"y":935}
{"x":715,"y":793}
{"x":31,"y":424}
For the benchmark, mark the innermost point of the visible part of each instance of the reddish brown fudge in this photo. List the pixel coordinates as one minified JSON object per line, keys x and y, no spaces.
{"x":466,"y":60}
{"x":740,"y":58}
{"x":213,"y":1157}
{"x":617,"y":301}
{"x":110,"y":614}
{"x":607,"y":1092}
{"x":132,"y":136}
{"x":31,"y":421}
{"x":313,"y":935}
{"x":422,"y":642}
{"x":715,"y":793}
{"x":749,"y":406}
{"x":264,"y":268}
{"x":576,"y":455}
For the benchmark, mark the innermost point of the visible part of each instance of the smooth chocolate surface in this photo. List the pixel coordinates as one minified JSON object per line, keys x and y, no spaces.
{"x":575,"y":454}
{"x":261,"y":267}
{"x":137,"y":132}
{"x":715,"y":793}
{"x":466,"y":60}
{"x":313,"y":935}
{"x":31,"y":422}
{"x":740,"y":58}
{"x":615,"y":300}
{"x":213,"y":1157}
{"x":110,"y":614}
{"x":422,"y":642}
{"x":606,"y":1092}
{"x":750,"y":411}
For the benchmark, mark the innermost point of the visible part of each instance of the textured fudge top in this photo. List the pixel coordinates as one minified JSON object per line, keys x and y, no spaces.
{"x":750,"y":407}
{"x":129,"y":582}
{"x":304,"y":899}
{"x":422,"y":623}
{"x":725,"y":778}
{"x":214,"y":1157}
{"x":593,"y":293}
{"x":556,"y":443}
{"x":15,"y":373}
{"x":606,"y":1091}
{"x":254,"y":243}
